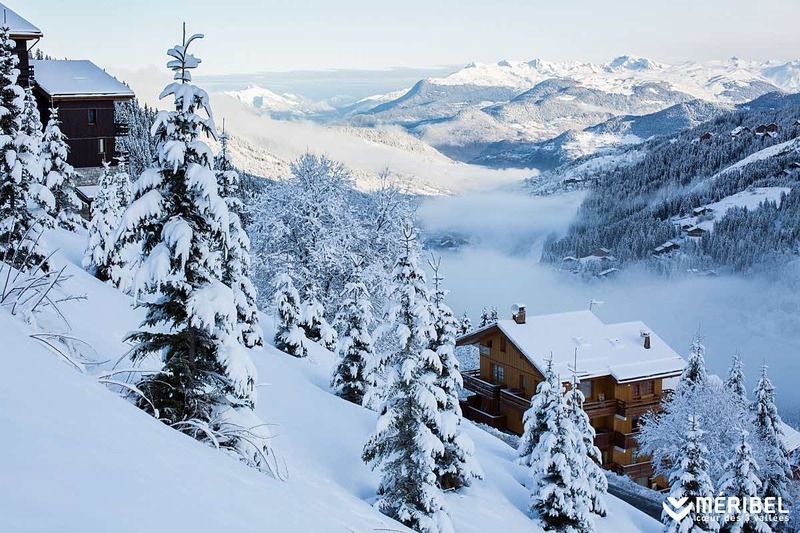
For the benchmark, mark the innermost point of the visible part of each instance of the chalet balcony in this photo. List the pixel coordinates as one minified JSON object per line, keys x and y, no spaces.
{"x":636,"y":470}
{"x":121,"y":129}
{"x":604,"y":439}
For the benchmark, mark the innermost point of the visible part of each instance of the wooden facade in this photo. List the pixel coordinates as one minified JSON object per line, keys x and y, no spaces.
{"x":89,"y":125}
{"x":503,"y":385}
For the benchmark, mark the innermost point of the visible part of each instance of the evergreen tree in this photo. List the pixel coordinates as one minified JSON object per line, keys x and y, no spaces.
{"x":207,"y":383}
{"x":770,"y":450}
{"x":122,"y":182}
{"x":456,"y":467}
{"x":20,"y":170}
{"x":735,"y":381}
{"x":689,"y":479}
{"x":493,"y":316}
{"x":741,"y":481}
{"x":289,"y":337}
{"x":559,"y":488}
{"x":106,"y":214}
{"x":350,"y":379}
{"x":534,"y":420}
{"x":60,"y":177}
{"x":485,"y":319}
{"x":403,"y":446}
{"x":138,"y":145}
{"x":695,"y":373}
{"x":465,"y":326}
{"x":236,"y":267}
{"x":597,"y":483}
{"x":314,"y":324}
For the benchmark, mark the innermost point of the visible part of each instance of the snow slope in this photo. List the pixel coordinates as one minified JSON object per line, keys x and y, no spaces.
{"x":750,"y":199}
{"x":83,"y":460}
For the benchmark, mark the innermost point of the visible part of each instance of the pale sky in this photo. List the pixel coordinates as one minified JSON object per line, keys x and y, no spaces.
{"x":244,"y":36}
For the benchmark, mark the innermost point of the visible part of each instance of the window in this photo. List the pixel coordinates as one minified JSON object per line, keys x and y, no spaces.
{"x":522,"y":382}
{"x":586,"y":389}
{"x":635,"y":423}
{"x":503,"y":344}
{"x":101,"y":146}
{"x":92,"y":116}
{"x":498,"y":374}
{"x":644,"y":388}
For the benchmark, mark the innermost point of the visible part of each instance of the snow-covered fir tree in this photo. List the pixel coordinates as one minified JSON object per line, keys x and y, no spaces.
{"x":20,"y":169}
{"x":735,"y":381}
{"x":403,"y":446}
{"x":485,"y":319}
{"x":689,"y":479}
{"x":597,"y":483}
{"x":769,"y":448}
{"x":493,"y":317}
{"x":560,"y":492}
{"x":741,"y":481}
{"x":206,"y":385}
{"x":106,"y":215}
{"x":122,"y":181}
{"x":465,"y":325}
{"x":139,"y":145}
{"x":695,"y":374}
{"x":59,"y":175}
{"x":288,"y":334}
{"x":313,"y":322}
{"x":236,"y":267}
{"x":356,"y":348}
{"x":456,"y":467}
{"x":534,"y":420}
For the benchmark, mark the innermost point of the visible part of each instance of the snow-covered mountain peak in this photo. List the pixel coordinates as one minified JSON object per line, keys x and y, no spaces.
{"x":628,"y":62}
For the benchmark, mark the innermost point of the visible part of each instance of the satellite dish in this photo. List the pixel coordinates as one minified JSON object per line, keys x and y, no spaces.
{"x":515,"y":309}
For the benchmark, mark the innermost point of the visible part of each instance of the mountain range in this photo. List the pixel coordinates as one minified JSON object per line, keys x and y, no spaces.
{"x":539,"y":113}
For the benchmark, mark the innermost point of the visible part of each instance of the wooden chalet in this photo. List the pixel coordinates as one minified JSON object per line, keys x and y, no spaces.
{"x":84,"y":94}
{"x":622,"y":370}
{"x":696,"y":231}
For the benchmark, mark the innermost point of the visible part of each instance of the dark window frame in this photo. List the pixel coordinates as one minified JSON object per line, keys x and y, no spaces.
{"x":91,"y":117}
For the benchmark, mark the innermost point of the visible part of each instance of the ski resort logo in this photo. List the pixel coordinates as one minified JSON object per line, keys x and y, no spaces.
{"x":727,"y":508}
{"x":677,"y":508}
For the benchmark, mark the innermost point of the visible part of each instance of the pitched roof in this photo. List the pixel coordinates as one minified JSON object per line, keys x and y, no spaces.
{"x":602,"y":349}
{"x":19,"y":27}
{"x":77,"y":79}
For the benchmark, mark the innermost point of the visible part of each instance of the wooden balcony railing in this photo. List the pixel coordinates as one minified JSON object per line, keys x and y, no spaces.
{"x":516,"y":401}
{"x":604,"y":439}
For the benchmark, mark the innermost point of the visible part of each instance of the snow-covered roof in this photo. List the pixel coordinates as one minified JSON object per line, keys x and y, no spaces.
{"x":88,"y":191}
{"x":602,"y":349}
{"x":19,"y":27}
{"x":791,"y":438}
{"x":77,"y":79}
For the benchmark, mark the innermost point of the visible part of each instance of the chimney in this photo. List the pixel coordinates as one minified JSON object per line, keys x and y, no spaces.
{"x":646,"y":337}
{"x":518,"y":313}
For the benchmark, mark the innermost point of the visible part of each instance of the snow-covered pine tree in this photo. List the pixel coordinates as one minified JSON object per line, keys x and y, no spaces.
{"x":597,"y":483}
{"x":493,"y":316}
{"x":122,"y":181}
{"x":236,"y":267}
{"x":289,"y":336}
{"x":741,"y":481}
{"x":689,"y":479}
{"x":59,"y":175}
{"x":106,"y":214}
{"x":403,"y":445}
{"x":457,"y":466}
{"x":206,"y":387}
{"x":534,"y":420}
{"x":735,"y":381}
{"x":485,"y":319}
{"x":770,"y":451}
{"x":20,"y":170}
{"x":356,"y":349}
{"x":139,"y":144}
{"x":695,"y":373}
{"x":32,"y":127}
{"x":313,"y":321}
{"x":465,"y":326}
{"x":559,"y":488}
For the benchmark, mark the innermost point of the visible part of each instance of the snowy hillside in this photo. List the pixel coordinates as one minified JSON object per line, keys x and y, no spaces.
{"x":84,"y":460}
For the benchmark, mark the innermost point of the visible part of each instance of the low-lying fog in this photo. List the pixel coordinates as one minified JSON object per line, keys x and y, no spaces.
{"x":758,"y":317}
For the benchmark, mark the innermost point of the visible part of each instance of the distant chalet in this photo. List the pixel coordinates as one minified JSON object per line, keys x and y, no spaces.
{"x":622,"y":368}
{"x":83,"y":93}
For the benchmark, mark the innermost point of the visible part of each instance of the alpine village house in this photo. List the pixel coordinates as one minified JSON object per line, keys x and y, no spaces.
{"x":84,"y":94}
{"x":622,"y":369}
